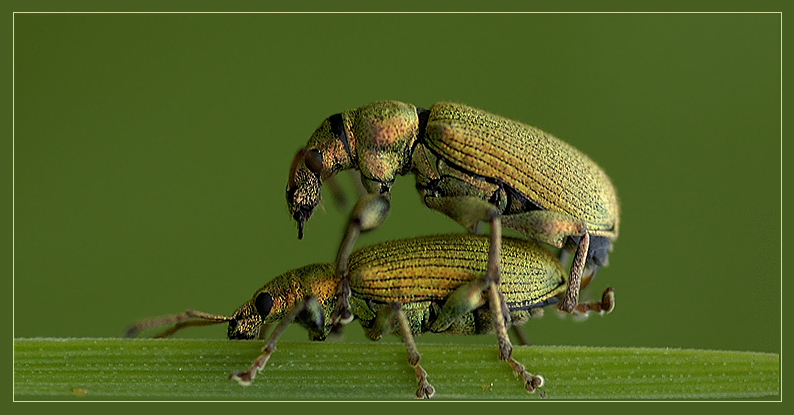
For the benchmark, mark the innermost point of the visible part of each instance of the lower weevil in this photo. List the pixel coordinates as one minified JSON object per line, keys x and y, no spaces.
{"x":428,"y":284}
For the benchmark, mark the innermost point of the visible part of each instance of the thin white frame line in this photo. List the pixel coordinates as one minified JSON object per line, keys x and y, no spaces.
{"x":399,"y":12}
{"x":13,"y":134}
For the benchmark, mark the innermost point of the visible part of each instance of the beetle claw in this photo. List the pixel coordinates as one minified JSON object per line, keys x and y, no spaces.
{"x":425,"y":391}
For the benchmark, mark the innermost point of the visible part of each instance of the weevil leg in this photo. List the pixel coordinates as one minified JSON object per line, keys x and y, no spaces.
{"x":246,"y":377}
{"x":531,"y":382}
{"x":383,"y":323}
{"x":553,"y":228}
{"x":545,"y":226}
{"x":518,"y":326}
{"x":571,"y":299}
{"x":470,"y":296}
{"x":520,"y":335}
{"x":521,"y":318}
{"x":355,"y":177}
{"x":464,"y":299}
{"x":469,"y":211}
{"x":370,"y":211}
{"x":337,"y":194}
{"x":564,"y":256}
{"x":605,"y":306}
{"x":466,"y":210}
{"x":493,"y":274}
{"x":425,"y":390}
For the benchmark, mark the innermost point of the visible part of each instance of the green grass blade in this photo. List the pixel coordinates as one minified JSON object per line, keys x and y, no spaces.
{"x":169,"y":369}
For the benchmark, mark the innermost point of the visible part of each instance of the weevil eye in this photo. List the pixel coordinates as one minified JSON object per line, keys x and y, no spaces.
{"x":263,"y":304}
{"x":314,"y":161}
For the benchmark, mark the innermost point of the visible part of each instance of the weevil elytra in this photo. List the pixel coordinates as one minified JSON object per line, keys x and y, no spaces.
{"x":408,"y":287}
{"x":472,"y":166}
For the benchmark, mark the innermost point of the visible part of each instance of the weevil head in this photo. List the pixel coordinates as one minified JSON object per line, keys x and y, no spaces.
{"x":304,"y":186}
{"x":279,"y":296}
{"x":245,"y":323}
{"x":329,"y":150}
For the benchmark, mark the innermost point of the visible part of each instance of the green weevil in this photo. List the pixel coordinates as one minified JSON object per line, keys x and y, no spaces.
{"x":426,"y":284}
{"x":472,"y":166}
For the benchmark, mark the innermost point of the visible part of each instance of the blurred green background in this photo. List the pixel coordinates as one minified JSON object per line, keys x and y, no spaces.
{"x":152,"y":151}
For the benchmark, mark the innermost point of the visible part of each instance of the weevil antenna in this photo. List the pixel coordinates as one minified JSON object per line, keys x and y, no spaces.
{"x":189,"y":318}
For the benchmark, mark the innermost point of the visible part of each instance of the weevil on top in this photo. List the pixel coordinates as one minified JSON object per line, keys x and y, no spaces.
{"x":470,"y":165}
{"x":408,"y":287}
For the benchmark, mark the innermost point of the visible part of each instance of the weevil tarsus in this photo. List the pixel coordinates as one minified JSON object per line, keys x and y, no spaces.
{"x":605,"y":306}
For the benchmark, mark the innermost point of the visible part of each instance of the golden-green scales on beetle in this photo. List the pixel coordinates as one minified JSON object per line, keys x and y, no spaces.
{"x":470,"y":165}
{"x":409,"y":287}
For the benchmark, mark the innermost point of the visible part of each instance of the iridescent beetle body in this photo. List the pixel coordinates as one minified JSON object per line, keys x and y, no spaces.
{"x":422,"y":273}
{"x":409,"y":287}
{"x":472,"y":166}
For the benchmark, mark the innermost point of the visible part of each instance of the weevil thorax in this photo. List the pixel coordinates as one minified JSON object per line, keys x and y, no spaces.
{"x":280,"y":295}
{"x":384,"y":133}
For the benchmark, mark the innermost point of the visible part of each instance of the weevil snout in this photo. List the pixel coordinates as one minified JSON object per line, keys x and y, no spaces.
{"x":303,"y":186}
{"x":302,"y":202}
{"x":245,"y":323}
{"x":301,"y":214}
